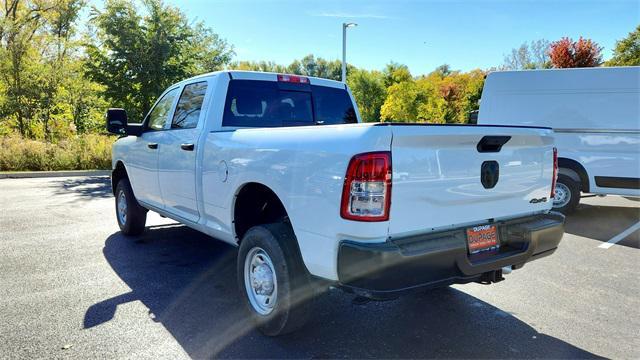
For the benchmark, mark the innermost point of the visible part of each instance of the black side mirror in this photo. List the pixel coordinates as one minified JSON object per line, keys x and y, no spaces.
{"x":117,"y":121}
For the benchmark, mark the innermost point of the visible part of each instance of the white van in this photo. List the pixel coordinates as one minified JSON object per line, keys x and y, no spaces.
{"x":595,"y":113}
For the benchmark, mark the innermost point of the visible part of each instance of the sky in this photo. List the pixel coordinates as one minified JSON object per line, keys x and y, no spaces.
{"x":421,"y":34}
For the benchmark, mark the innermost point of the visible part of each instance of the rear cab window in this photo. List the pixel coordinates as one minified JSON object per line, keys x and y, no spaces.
{"x":333,"y":106}
{"x":258,"y":103}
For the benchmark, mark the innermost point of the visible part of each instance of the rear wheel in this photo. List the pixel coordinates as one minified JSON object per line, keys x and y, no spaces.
{"x":131,"y":216}
{"x":567,"y":194}
{"x":277,"y":288}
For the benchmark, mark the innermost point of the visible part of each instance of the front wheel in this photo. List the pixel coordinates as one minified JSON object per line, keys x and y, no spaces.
{"x":277,"y":289}
{"x":567,"y":194}
{"x":131,"y":216}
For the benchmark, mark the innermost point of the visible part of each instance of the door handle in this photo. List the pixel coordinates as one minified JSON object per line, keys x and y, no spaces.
{"x":187,"y":147}
{"x":152,"y":146}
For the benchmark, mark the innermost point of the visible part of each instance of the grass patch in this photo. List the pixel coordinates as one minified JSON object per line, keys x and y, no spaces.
{"x":81,"y":152}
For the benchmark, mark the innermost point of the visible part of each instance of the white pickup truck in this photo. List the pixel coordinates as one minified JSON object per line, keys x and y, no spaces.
{"x":281,"y":166}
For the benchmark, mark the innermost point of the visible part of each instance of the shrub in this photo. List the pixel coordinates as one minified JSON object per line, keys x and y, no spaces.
{"x":82,"y":152}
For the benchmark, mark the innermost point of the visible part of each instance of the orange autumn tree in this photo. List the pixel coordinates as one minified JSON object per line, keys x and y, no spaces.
{"x":566,"y":53}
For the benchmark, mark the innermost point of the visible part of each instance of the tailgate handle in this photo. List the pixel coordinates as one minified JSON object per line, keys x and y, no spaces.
{"x":491,"y":144}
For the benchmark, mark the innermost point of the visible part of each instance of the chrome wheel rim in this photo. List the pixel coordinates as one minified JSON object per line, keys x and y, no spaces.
{"x":121,"y":205}
{"x":260,"y":281}
{"x":562,"y":196}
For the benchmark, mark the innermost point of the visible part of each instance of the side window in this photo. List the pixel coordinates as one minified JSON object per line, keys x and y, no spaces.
{"x":158,"y":116}
{"x":189,"y":105}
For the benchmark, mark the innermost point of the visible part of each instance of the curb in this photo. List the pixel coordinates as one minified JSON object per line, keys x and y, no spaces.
{"x":48,"y":174}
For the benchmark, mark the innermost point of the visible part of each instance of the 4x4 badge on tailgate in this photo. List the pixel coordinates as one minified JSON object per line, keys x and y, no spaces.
{"x":539,"y":200}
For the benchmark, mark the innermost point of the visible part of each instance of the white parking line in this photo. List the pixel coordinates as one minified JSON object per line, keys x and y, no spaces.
{"x":620,"y":236}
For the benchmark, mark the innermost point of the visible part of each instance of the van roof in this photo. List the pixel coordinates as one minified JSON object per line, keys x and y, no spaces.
{"x":584,"y":69}
{"x":624,"y":77}
{"x":590,"y":98}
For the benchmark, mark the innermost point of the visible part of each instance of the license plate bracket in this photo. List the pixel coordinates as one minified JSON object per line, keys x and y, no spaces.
{"x":482,"y":238}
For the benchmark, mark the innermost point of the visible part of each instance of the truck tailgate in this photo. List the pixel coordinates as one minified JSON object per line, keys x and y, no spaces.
{"x":438,"y":170}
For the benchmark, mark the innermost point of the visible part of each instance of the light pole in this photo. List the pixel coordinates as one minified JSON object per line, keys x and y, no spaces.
{"x":344,"y":49}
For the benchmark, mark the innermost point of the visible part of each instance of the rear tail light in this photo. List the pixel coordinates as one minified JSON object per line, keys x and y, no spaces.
{"x":555,"y":173}
{"x":366,"y":195}
{"x":293,"y":79}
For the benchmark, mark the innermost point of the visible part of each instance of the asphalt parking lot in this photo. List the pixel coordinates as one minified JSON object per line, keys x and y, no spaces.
{"x":71,"y":286}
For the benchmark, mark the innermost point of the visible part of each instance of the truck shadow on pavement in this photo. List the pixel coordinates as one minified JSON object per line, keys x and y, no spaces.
{"x":604,"y":222}
{"x":88,"y":187}
{"x":188,"y":282}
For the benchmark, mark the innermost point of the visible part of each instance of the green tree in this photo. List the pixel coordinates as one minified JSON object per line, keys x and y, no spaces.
{"x":396,"y":73}
{"x":81,"y":101}
{"x":454,"y":95}
{"x":472,"y":93}
{"x":432,"y":107}
{"x":264,"y":66}
{"x":443,"y":96}
{"x":402,"y":101}
{"x":307,"y":66}
{"x":627,"y":51}
{"x":40,"y":59}
{"x":135,"y":57}
{"x":60,"y":70}
{"x":20,"y":28}
{"x":443,"y":70}
{"x":369,"y":91}
{"x":318,"y":67}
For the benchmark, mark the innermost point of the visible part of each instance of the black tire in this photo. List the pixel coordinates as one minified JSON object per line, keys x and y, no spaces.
{"x":295,"y":292}
{"x":572,"y":189}
{"x":136,"y":216}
